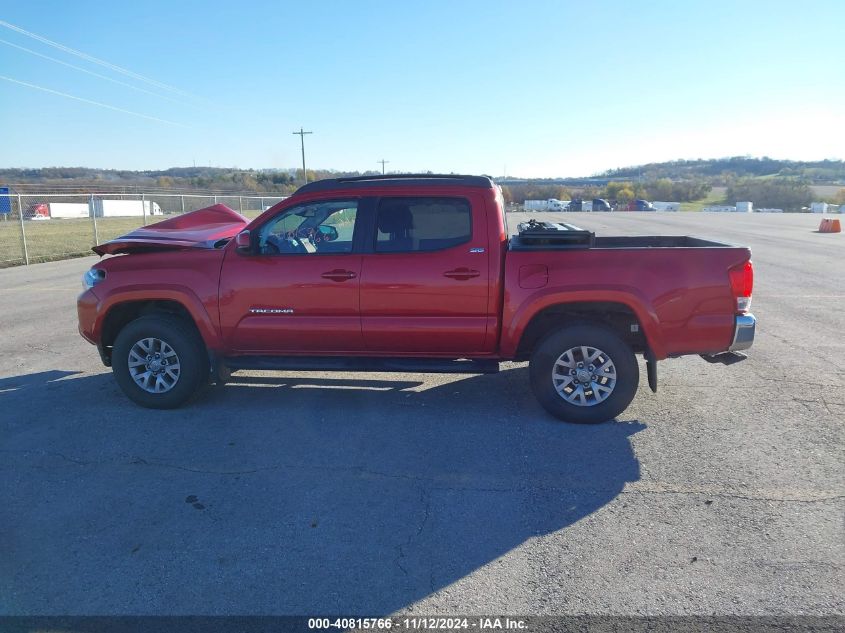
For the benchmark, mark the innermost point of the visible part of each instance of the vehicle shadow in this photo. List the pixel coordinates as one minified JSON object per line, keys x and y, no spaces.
{"x":37,"y":380}
{"x":289,"y":494}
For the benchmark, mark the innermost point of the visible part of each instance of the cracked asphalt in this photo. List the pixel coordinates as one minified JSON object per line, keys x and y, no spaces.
{"x":333,"y":493}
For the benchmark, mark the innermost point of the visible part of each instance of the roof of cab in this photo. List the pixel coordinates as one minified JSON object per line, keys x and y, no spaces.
{"x":397,"y":180}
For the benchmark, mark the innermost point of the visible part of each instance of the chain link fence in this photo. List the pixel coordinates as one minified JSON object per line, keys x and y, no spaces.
{"x":37,"y":227}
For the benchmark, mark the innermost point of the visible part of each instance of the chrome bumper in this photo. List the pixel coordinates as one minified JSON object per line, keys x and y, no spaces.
{"x":743,"y":332}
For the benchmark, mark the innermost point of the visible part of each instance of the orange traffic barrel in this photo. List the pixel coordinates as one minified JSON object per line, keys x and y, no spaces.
{"x":830,"y":226}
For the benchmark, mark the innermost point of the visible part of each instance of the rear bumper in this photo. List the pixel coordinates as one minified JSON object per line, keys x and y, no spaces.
{"x":743,"y":332}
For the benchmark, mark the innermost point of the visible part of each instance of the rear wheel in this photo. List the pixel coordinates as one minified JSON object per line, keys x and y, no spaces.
{"x":584,"y":374}
{"x":159,"y":361}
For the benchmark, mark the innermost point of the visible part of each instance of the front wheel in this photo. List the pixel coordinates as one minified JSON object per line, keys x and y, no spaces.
{"x":159,"y":361}
{"x":584,"y":374}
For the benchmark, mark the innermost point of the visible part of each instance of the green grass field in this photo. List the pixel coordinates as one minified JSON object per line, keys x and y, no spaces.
{"x":49,"y":240}
{"x":715,"y":197}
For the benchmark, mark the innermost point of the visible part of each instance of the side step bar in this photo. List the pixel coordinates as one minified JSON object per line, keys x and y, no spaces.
{"x":347,"y":363}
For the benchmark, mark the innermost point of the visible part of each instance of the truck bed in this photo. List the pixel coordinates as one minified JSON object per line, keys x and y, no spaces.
{"x":580,"y":239}
{"x":657,"y":241}
{"x":677,"y":286}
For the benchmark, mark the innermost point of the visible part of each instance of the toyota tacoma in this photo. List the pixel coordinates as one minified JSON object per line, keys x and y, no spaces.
{"x":409,"y":273}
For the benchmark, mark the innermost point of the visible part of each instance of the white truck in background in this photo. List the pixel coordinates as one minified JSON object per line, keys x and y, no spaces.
{"x":822,"y":207}
{"x":125,"y":208}
{"x":68,"y":210}
{"x":101,"y":208}
{"x":50,"y":210}
{"x":552,"y":204}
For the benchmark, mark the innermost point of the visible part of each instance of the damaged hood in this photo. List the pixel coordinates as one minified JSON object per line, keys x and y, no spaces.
{"x":198,"y":229}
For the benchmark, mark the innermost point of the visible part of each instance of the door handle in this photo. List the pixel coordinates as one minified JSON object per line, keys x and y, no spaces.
{"x":339,"y":275}
{"x":461,"y":274}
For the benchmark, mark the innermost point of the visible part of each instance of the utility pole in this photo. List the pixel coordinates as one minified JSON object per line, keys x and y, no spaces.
{"x":382,"y":161}
{"x":302,"y":134}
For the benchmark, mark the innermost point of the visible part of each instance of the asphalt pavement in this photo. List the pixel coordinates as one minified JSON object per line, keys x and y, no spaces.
{"x":372,"y":494}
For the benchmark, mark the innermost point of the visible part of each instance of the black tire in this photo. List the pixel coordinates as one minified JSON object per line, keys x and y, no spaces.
{"x":551,"y":348}
{"x":183,"y":339}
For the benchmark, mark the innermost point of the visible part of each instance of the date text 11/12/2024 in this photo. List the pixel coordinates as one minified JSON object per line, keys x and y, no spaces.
{"x":419,"y":623}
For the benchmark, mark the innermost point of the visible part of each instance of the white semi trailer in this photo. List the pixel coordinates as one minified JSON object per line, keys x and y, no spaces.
{"x":536,"y":205}
{"x":125,"y":208}
{"x":73,"y":210}
{"x":552,"y":204}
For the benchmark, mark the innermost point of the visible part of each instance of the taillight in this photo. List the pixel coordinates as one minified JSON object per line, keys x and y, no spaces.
{"x":742,"y":282}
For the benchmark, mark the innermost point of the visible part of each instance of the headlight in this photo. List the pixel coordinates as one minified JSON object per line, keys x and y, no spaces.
{"x":93,"y":277}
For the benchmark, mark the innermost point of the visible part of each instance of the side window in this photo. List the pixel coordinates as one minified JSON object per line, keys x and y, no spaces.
{"x":316,"y":227}
{"x":422,"y":224}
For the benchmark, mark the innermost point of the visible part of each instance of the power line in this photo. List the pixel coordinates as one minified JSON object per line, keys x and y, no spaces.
{"x":302,"y":134}
{"x":382,"y":161}
{"x":95,"y":60}
{"x":91,"y":72}
{"x":96,"y":103}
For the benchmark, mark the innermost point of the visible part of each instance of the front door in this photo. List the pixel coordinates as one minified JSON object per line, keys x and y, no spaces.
{"x":296,"y":290}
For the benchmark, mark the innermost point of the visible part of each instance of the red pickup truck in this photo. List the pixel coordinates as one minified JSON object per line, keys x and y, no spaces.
{"x":409,"y":273}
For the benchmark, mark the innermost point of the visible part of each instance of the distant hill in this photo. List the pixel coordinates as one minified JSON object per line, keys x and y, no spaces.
{"x":175,"y":179}
{"x":719,"y":171}
{"x":715,"y":172}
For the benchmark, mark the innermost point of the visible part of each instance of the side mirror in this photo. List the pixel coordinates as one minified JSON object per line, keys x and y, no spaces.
{"x":243,"y":241}
{"x":328,"y":232}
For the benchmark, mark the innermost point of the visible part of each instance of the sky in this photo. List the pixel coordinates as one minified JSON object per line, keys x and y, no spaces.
{"x":529,"y":88}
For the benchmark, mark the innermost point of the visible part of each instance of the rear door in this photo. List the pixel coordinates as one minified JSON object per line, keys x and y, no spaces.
{"x":425,"y":280}
{"x":297,"y":290}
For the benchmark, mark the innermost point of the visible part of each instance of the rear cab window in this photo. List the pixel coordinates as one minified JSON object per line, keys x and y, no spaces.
{"x":419,"y":224}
